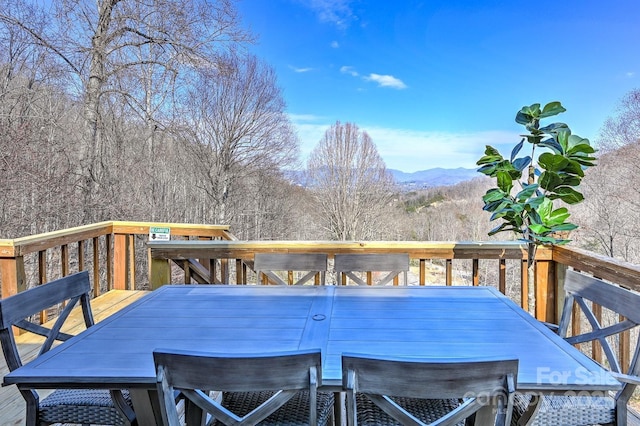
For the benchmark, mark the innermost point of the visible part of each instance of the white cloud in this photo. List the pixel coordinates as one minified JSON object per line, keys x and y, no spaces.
{"x":300,"y":70}
{"x":349,"y":70}
{"x":335,"y":44}
{"x":381,"y":80}
{"x":413,"y":150}
{"x":386,"y":81}
{"x":631,"y":74}
{"x":336,"y":12}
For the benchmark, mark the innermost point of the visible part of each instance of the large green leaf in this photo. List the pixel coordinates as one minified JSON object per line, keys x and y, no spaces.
{"x":545,"y":209}
{"x":549,"y":180}
{"x":581,"y":148}
{"x":553,"y":127}
{"x":534,"y":203}
{"x":573,"y":167}
{"x":489,"y":170}
{"x":562,"y":137}
{"x":552,"y":162}
{"x":521,"y":163}
{"x":551,"y":109}
{"x":570,"y":180}
{"x":527,"y":192}
{"x":527,"y":114}
{"x":552,"y":144}
{"x":500,"y":228}
{"x":557,"y":217}
{"x":505,"y":183}
{"x":491,"y":155}
{"x":564,"y":227}
{"x":567,"y":194}
{"x":494,"y":194}
{"x":516,"y":149}
{"x":538,"y":228}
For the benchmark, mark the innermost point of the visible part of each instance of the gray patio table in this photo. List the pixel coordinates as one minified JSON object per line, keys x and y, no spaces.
{"x":438,"y":322}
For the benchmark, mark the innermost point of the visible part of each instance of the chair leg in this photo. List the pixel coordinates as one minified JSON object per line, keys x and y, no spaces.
{"x":338,"y":406}
{"x":32,"y":402}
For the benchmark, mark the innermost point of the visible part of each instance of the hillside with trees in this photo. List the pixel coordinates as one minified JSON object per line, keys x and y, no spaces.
{"x":134,"y":112}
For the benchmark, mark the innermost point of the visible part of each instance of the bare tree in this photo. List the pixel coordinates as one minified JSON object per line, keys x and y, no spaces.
{"x":350,"y":183}
{"x":237,"y":129}
{"x":102,"y":44}
{"x":623,"y":128}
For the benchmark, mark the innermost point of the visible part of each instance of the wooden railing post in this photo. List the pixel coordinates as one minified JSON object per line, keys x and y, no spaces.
{"x":12,"y":275}
{"x":159,"y":272}
{"x":120,"y":261}
{"x":546,"y":291}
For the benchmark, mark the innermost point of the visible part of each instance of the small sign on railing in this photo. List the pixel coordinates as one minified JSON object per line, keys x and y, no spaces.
{"x":159,"y":234}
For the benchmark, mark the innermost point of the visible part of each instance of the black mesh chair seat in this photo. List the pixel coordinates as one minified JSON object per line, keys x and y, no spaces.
{"x":86,"y":406}
{"x":427,"y":410}
{"x":567,"y":410}
{"x":294,"y":413}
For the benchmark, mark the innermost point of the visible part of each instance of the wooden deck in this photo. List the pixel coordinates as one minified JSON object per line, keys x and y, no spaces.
{"x":11,"y":402}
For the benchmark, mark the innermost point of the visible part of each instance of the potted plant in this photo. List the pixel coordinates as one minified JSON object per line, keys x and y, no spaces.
{"x":529,"y":189}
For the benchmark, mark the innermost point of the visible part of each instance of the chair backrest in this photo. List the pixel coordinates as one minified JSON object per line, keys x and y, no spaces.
{"x":580,"y":288}
{"x":487,"y":386}
{"x":314,"y":264}
{"x":346,"y":266}
{"x":16,"y":310}
{"x":193,"y":373}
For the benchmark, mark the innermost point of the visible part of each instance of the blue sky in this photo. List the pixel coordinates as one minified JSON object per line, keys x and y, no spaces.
{"x":434,"y":81}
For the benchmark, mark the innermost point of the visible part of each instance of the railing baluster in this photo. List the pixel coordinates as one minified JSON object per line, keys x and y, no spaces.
{"x":81,"y":257}
{"x":42,"y":278}
{"x":524,"y":286}
{"x":449,"y":271}
{"x":241,"y":270}
{"x":212,"y":271}
{"x":596,"y":349}
{"x":131,"y":256}
{"x":187,"y":272}
{"x":502,"y":276}
{"x":624,"y":349}
{"x":64,"y":259}
{"x":475,"y":272}
{"x":96,"y":266}
{"x":110,"y":260}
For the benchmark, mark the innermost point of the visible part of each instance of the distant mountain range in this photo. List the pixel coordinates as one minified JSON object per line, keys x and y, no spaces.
{"x":416,"y":180}
{"x":433,"y":177}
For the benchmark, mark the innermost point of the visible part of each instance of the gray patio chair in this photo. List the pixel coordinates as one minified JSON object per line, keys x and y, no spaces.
{"x":269,"y":389}
{"x":84,"y":406}
{"x":570,"y":410}
{"x":419,"y":392}
{"x":270,"y":263}
{"x":346,"y":267}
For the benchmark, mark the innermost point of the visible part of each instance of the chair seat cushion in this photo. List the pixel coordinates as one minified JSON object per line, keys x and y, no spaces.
{"x":567,"y":410}
{"x":294,"y":413}
{"x":90,"y":406}
{"x":427,"y":410}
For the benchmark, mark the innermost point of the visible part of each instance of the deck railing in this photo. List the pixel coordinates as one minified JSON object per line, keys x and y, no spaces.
{"x":121,"y":257}
{"x":113,"y":251}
